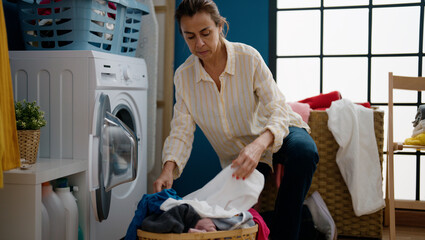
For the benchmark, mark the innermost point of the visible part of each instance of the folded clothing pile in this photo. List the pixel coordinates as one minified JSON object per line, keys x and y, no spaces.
{"x":418,"y":134}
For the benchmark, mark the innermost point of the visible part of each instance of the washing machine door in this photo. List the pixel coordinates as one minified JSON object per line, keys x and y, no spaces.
{"x":113,"y":156}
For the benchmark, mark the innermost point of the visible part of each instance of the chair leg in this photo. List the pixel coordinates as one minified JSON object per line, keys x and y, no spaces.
{"x":390,"y":195}
{"x":392,"y":219}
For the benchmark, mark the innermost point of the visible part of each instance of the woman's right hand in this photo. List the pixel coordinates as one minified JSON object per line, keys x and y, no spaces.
{"x":165,"y":180}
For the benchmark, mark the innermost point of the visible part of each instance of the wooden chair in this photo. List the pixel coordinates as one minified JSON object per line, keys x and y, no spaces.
{"x":403,"y":83}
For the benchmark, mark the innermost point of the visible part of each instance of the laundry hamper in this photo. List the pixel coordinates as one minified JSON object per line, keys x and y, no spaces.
{"x":110,"y":26}
{"x":329,"y":183}
{"x":238,"y":234}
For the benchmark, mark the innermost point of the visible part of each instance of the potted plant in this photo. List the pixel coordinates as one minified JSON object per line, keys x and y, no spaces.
{"x":29,"y":120}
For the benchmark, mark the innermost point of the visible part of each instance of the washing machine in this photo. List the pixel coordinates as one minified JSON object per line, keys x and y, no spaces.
{"x":95,"y":105}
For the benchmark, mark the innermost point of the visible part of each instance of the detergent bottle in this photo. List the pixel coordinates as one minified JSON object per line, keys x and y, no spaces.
{"x":55,"y":210}
{"x":71,"y":210}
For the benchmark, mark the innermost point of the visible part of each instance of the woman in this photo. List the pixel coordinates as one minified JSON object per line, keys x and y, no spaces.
{"x":228,"y":91}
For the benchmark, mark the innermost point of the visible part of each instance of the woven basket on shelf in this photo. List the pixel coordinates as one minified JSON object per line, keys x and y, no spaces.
{"x":28,"y":144}
{"x":328,"y":181}
{"x":238,"y":234}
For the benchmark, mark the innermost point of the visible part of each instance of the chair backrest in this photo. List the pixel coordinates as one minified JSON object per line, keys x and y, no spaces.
{"x":403,"y":83}
{"x":406,"y":83}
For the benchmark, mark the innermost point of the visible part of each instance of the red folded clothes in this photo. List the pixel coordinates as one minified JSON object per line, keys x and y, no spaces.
{"x":48,"y":11}
{"x":324,"y":100}
{"x":365,"y":104}
{"x":263,"y":230}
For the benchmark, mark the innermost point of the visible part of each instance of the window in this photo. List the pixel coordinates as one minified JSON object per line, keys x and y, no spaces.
{"x":350,"y":46}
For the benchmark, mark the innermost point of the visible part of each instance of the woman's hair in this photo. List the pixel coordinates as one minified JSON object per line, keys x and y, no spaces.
{"x":191,"y":7}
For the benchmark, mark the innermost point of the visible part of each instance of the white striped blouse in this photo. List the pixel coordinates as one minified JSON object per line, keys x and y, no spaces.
{"x":248,"y":103}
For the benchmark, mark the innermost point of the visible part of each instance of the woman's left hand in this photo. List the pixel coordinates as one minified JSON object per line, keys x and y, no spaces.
{"x":247,"y":160}
{"x":250,"y":155}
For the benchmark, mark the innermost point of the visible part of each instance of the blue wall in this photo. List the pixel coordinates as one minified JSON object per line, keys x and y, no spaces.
{"x":249,"y":23}
{"x":14,"y":35}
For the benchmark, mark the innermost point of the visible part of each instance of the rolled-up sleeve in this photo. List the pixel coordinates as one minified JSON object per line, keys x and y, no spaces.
{"x":178,"y":145}
{"x":275,"y":108}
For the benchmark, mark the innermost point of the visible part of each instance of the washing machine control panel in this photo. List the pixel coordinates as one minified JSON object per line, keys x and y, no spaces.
{"x":120,"y":73}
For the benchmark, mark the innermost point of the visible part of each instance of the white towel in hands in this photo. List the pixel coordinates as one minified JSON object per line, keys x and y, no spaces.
{"x":224,"y":196}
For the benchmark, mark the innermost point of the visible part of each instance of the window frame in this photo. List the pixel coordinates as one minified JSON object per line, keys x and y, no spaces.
{"x":273,"y":57}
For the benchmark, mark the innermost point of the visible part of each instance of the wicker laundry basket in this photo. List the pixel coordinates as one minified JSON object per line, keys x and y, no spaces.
{"x":239,"y":234}
{"x":329,"y":183}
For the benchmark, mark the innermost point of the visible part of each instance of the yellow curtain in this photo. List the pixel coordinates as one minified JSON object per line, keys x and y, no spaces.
{"x":9,"y":151}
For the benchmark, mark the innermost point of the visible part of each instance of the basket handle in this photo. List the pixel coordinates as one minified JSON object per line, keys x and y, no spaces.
{"x":131,"y":4}
{"x":128,"y":3}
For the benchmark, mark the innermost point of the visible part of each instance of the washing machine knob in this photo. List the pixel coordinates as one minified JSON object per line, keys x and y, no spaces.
{"x":126,"y":72}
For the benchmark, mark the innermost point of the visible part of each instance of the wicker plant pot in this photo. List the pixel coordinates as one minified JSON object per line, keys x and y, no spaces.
{"x":28,"y":144}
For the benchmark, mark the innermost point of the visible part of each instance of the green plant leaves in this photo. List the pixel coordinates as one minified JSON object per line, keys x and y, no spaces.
{"x":29,"y":116}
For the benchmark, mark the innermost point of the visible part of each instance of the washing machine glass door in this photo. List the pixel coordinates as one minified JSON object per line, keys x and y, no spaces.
{"x":113,"y":156}
{"x":120,"y":149}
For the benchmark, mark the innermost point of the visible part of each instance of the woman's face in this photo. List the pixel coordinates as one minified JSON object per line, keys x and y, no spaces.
{"x":201,"y":34}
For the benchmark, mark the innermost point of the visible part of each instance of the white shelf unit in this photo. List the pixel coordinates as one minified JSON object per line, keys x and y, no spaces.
{"x":20,"y":199}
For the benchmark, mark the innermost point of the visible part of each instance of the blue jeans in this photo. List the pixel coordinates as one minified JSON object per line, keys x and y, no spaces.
{"x":299,"y":156}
